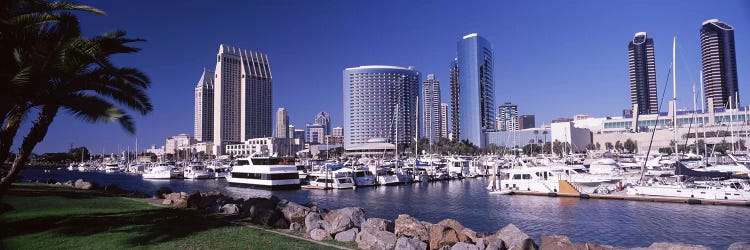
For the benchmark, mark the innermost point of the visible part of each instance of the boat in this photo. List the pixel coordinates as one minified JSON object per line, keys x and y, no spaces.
{"x":536,"y":179}
{"x":196,"y":170}
{"x":330,"y":179}
{"x":217,"y":170}
{"x":160,"y":171}
{"x":264,"y":172}
{"x":362,"y":178}
{"x":732,"y":189}
{"x":387,"y":177}
{"x":457,"y":167}
{"x":112,"y":168}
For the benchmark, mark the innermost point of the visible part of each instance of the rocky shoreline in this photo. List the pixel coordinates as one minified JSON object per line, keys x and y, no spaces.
{"x":352,"y":225}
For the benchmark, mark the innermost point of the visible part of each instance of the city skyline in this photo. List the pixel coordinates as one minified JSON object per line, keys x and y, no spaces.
{"x":521,"y":66}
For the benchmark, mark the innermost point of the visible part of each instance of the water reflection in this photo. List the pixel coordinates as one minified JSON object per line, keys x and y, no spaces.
{"x":621,"y":223}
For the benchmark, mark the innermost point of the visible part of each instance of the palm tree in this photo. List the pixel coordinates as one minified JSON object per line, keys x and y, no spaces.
{"x":27,"y":29}
{"x":84,"y":82}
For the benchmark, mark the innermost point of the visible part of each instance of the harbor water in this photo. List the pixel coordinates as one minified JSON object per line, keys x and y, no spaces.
{"x":610,"y":222}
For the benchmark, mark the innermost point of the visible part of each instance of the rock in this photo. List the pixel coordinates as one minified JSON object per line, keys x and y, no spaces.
{"x":176,"y":199}
{"x":296,"y":227}
{"x":313,"y":221}
{"x":494,"y":246}
{"x":84,"y":185}
{"x":441,"y":236}
{"x":114,"y":189}
{"x":230,"y":209}
{"x":513,"y":238}
{"x":319,"y":234}
{"x":405,"y":243}
{"x":739,"y":246}
{"x":556,"y":242}
{"x":344,"y":219}
{"x":159,"y":193}
{"x":269,"y":217}
{"x":464,"y":246}
{"x":50,"y":181}
{"x":480,"y":243}
{"x":376,"y":240}
{"x":293,"y":212}
{"x":378,"y":224}
{"x":456,"y":226}
{"x":281,"y":223}
{"x":675,"y":246}
{"x":347,"y":236}
{"x":409,"y":226}
{"x":70,"y":183}
{"x":471,"y":235}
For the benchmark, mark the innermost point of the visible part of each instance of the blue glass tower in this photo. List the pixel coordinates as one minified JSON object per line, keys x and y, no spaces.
{"x":476,"y":85}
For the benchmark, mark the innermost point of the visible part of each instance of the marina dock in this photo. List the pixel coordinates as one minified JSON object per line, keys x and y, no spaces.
{"x":637,"y":198}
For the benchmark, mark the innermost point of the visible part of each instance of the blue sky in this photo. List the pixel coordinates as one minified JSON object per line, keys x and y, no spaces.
{"x":552,"y":58}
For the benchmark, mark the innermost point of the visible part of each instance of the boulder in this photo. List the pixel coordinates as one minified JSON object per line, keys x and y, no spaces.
{"x":70,"y":183}
{"x":340,"y":220}
{"x":293,"y":212}
{"x":230,"y":209}
{"x":405,"y":243}
{"x":513,"y":238}
{"x":296,"y":227}
{"x":269,"y":217}
{"x":313,"y":221}
{"x":675,"y":246}
{"x":347,"y":236}
{"x":175,"y":199}
{"x":281,"y":223}
{"x":456,"y":226}
{"x":441,"y":236}
{"x":378,"y":224}
{"x":739,"y":246}
{"x":480,"y":243}
{"x":409,"y":226}
{"x":494,"y":246}
{"x":159,"y":193}
{"x":84,"y":185}
{"x":464,"y":246}
{"x":471,"y":235}
{"x":319,"y":235}
{"x":376,"y":240}
{"x":556,"y":242}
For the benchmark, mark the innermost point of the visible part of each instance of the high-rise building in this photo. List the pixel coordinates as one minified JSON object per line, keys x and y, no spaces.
{"x":475,"y":96}
{"x":719,"y":63}
{"x":338,"y":131}
{"x":290,"y":129}
{"x":642,"y":69}
{"x":507,"y":119}
{"x":323,"y":118}
{"x":526,"y":121}
{"x":300,"y":134}
{"x":444,"y":120}
{"x":431,"y":108}
{"x":242,"y":96}
{"x":380,"y":102}
{"x":455,"y":125}
{"x":204,"y":107}
{"x":282,"y":123}
{"x":315,"y":133}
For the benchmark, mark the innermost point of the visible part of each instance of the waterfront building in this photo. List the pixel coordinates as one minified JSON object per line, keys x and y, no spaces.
{"x":719,"y":63}
{"x":300,"y":134}
{"x":315,"y":133}
{"x":431,"y":108}
{"x":282,"y":123}
{"x":526,"y":122}
{"x":242,"y":96}
{"x":454,"y":87}
{"x":338,"y":131}
{"x":507,"y":119}
{"x":562,"y":119}
{"x":475,"y":90}
{"x":205,"y":147}
{"x":642,"y":68}
{"x":444,"y":120}
{"x":265,"y":145}
{"x":519,"y":138}
{"x":178,"y":142}
{"x":159,"y":152}
{"x":333,"y":139}
{"x":380,"y":102}
{"x":323,"y":118}
{"x":576,"y":137}
{"x":204,"y":107}
{"x":290,"y":131}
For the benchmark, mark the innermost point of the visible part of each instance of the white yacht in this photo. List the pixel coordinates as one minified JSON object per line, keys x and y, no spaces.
{"x":362,"y":178}
{"x":733,"y":189}
{"x":264,"y":172}
{"x":331,"y":180}
{"x":537,"y":179}
{"x":196,"y":170}
{"x":160,"y":171}
{"x":457,"y":167}
{"x":112,"y":168}
{"x":218,"y":170}
{"x":386,"y":176}
{"x":84,"y":167}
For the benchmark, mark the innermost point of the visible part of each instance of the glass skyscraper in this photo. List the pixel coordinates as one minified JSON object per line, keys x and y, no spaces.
{"x":430,"y":110}
{"x":719,"y":63}
{"x":642,"y":68}
{"x":204,"y":107}
{"x":475,"y":97}
{"x":380,"y":102}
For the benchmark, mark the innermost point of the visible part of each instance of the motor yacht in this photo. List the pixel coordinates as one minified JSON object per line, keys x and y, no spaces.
{"x":362,"y":177}
{"x":160,"y":171}
{"x":331,"y":179}
{"x":196,"y":170}
{"x":264,"y":172}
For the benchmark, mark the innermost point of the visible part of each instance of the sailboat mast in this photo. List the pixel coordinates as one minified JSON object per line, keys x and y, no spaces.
{"x":674,"y":93}
{"x":695,"y":110}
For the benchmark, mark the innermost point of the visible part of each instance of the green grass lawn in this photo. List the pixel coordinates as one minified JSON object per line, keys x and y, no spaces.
{"x":50,"y":217}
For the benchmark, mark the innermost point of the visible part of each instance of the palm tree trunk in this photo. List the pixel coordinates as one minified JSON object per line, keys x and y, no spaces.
{"x":36,"y":134}
{"x":9,"y":131}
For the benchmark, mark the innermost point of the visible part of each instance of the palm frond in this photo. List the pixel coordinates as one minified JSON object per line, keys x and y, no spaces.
{"x":94,"y":109}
